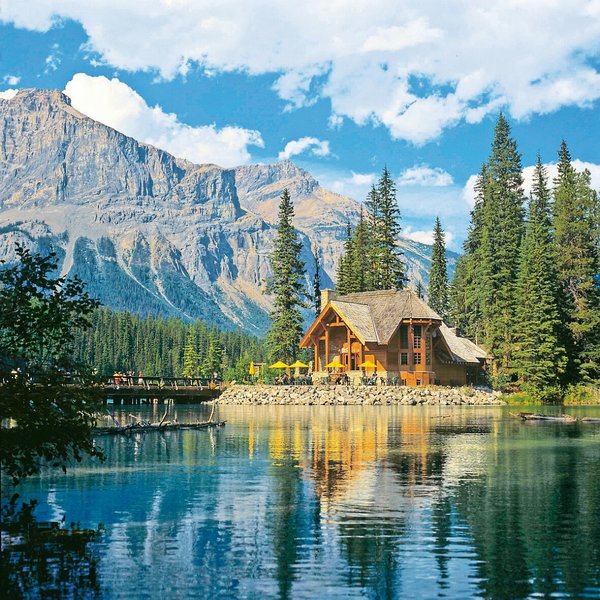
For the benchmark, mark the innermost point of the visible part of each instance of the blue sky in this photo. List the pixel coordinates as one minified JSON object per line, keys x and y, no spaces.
{"x":340,"y":88}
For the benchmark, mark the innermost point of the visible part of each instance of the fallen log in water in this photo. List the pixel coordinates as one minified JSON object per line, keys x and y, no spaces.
{"x":163,"y":426}
{"x":540,"y":417}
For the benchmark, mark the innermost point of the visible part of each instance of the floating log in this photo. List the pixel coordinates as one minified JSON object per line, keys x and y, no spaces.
{"x":540,"y":417}
{"x":162,"y":426}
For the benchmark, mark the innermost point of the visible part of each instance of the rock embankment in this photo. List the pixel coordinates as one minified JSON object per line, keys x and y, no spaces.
{"x":349,"y":395}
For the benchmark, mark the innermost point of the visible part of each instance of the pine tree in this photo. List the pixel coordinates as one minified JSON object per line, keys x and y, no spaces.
{"x":373,"y":227}
{"x":438,"y":275}
{"x":191,"y":360}
{"x":501,"y":235}
{"x":317,"y":283}
{"x":213,"y":363}
{"x":392,"y":272}
{"x":419,"y":289}
{"x":576,"y":228}
{"x":360,"y":256}
{"x":344,"y":275}
{"x":540,"y":356}
{"x":287,"y":286}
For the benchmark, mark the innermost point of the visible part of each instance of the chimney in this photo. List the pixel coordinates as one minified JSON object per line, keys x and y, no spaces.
{"x":326,"y":297}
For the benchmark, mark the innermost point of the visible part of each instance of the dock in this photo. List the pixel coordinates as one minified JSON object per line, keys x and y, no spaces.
{"x":153,"y":390}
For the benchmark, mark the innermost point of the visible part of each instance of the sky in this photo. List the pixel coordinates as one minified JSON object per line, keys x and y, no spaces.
{"x":341,"y":88}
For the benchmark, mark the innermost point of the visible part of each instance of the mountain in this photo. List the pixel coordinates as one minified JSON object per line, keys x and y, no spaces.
{"x":150,"y":232}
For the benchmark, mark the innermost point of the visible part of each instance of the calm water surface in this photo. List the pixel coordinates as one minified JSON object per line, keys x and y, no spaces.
{"x":342,"y":502}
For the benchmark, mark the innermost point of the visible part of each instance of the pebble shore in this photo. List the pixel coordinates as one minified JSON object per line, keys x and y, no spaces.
{"x":323,"y":395}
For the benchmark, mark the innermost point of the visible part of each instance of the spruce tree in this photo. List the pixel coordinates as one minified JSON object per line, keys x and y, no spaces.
{"x":438,"y":275}
{"x":360,"y":256}
{"x":344,"y":274}
{"x":373,"y":227}
{"x":577,"y":258}
{"x":287,"y":286}
{"x":213,"y":363}
{"x":540,"y":356}
{"x":392,"y":271}
{"x":419,"y":289}
{"x":317,"y":283}
{"x":191,"y":360}
{"x":501,"y":235}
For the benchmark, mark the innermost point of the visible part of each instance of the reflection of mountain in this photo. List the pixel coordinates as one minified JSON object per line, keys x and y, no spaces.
{"x":150,"y":232}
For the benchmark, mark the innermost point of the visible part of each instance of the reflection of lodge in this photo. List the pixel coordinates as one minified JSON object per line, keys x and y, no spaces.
{"x":398,"y":332}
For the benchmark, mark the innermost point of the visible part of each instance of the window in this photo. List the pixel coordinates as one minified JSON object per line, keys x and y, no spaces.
{"x":403,"y":358}
{"x":417,"y":335}
{"x":417,"y":358}
{"x":418,"y":382}
{"x":403,"y":336}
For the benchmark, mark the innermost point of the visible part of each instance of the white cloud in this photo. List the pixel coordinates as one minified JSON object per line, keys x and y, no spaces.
{"x":114,"y":103}
{"x":313,"y":145}
{"x":414,"y":67}
{"x":423,"y":175}
{"x":468,"y":191}
{"x":53,"y":59}
{"x":11,"y":80}
{"x":8,"y":94}
{"x":425,"y":236}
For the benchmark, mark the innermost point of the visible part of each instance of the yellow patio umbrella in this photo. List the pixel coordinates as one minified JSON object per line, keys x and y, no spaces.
{"x":334,"y":364}
{"x":252,"y":369}
{"x":368,"y":364}
{"x":300,"y":364}
{"x":279,"y":365}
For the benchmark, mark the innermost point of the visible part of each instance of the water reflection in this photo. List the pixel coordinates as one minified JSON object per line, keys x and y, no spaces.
{"x":343,"y":502}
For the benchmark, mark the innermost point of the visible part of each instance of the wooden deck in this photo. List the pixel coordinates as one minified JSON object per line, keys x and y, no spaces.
{"x":151,"y":390}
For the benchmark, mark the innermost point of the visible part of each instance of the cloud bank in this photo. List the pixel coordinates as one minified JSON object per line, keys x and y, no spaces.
{"x":311,"y":145}
{"x":115,"y":104}
{"x":415,"y":67}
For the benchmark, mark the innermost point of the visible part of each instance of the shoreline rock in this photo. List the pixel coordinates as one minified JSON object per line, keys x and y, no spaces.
{"x":342,"y":395}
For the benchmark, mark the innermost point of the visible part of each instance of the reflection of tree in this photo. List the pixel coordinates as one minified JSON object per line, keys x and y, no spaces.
{"x":370,"y":544}
{"x":42,"y":560}
{"x":286,"y":522}
{"x":533,"y":518}
{"x":442,"y":531}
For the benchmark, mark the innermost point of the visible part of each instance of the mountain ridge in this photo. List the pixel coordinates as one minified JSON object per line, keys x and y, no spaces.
{"x":150,"y":232}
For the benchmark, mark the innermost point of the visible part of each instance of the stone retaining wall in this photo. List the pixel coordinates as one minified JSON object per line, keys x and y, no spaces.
{"x":342,"y":395}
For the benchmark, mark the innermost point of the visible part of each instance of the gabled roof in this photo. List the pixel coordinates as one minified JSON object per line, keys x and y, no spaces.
{"x":462,"y":349}
{"x":375,"y":316}
{"x":358,"y":317}
{"x":388,"y":308}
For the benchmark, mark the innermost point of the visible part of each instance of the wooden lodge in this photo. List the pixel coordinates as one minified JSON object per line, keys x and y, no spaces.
{"x":398,"y":332}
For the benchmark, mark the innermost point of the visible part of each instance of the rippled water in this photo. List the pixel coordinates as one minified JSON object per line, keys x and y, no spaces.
{"x":342,"y":502}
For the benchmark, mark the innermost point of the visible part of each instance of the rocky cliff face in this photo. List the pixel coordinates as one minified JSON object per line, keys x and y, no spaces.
{"x":149,"y":232}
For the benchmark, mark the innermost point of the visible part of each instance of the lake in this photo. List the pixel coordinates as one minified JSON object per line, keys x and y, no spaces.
{"x":340,"y":502}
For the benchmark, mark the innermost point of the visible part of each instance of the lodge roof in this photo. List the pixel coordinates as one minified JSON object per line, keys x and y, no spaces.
{"x":374,"y":317}
{"x":462,"y":349}
{"x":387,"y":309}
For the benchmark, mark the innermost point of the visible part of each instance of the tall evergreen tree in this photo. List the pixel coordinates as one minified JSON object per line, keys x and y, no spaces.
{"x":317,"y":283}
{"x":576,"y":225}
{"x":419,"y":290}
{"x":540,"y":356}
{"x":286,"y":285}
{"x":501,"y":235}
{"x":360,"y":256}
{"x":392,"y":271}
{"x":213,"y":363}
{"x":373,"y":227}
{"x":191,"y":359}
{"x":438,"y":275}
{"x":344,"y":275}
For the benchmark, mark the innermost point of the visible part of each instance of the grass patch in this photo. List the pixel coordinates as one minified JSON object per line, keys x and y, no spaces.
{"x":582,"y":394}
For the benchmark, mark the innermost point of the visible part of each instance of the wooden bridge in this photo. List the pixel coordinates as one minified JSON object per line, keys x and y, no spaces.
{"x":125,"y":389}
